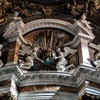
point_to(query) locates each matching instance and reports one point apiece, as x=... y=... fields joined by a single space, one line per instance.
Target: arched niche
x=50 y=34
x=67 y=27
x=75 y=32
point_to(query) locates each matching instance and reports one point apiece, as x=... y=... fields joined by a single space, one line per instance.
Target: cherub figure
x=15 y=20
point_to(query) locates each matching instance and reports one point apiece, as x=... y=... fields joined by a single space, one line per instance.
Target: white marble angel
x=29 y=53
x=62 y=64
x=85 y=23
x=15 y=19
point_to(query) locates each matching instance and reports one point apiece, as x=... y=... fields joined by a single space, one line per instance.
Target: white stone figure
x=26 y=64
x=53 y=53
x=62 y=64
x=34 y=54
x=25 y=59
x=85 y=23
x=1 y=63
x=31 y=55
x=24 y=50
x=27 y=49
x=14 y=20
x=68 y=50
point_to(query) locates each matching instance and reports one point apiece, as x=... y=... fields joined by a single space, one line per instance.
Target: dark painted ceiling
x=62 y=9
x=49 y=2
x=56 y=2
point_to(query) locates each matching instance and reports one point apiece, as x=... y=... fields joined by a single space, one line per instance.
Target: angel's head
x=83 y=17
x=58 y=49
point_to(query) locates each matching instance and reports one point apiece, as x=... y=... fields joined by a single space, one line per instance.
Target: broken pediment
x=13 y=29
x=83 y=29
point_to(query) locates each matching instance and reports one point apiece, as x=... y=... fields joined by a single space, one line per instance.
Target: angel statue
x=85 y=22
x=62 y=64
x=15 y=19
x=1 y=63
x=25 y=59
x=27 y=55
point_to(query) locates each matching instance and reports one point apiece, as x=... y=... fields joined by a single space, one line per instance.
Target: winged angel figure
x=62 y=64
x=27 y=54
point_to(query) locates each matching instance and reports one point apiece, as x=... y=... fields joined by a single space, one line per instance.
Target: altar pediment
x=13 y=29
x=83 y=31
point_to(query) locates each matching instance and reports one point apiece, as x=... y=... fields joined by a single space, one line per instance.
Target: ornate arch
x=77 y=30
x=49 y=23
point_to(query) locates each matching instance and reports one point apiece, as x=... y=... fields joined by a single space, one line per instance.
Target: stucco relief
x=45 y=51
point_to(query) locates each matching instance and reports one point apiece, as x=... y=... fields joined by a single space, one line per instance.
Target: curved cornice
x=50 y=77
x=48 y=23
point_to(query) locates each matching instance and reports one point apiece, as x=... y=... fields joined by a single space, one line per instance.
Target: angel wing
x=71 y=42
x=22 y=39
x=94 y=46
x=68 y=51
x=26 y=47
